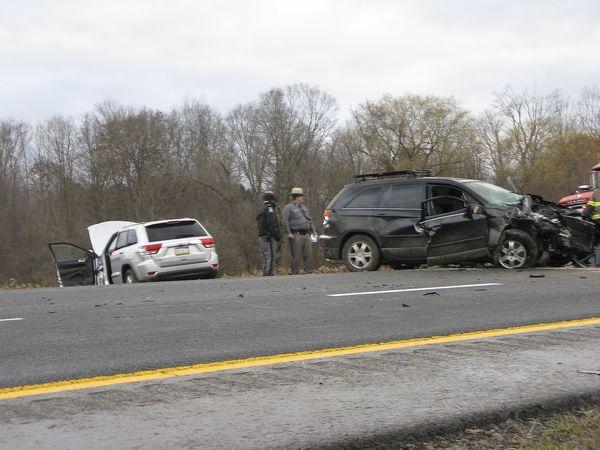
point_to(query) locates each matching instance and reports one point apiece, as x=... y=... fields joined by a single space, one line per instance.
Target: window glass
x=366 y=199
x=447 y=191
x=131 y=237
x=68 y=252
x=174 y=230
x=450 y=199
x=122 y=239
x=404 y=196
x=113 y=244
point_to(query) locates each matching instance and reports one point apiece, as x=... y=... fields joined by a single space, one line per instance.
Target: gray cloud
x=63 y=56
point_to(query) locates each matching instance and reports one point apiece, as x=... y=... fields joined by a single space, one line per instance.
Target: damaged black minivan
x=409 y=218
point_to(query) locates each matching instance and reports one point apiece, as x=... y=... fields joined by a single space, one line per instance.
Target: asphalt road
x=80 y=332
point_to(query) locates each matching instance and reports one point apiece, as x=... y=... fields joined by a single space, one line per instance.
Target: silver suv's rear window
x=174 y=230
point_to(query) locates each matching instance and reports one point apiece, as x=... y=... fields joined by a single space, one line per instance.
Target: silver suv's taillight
x=208 y=242
x=150 y=249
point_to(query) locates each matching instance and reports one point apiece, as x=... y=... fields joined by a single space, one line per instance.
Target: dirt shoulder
x=572 y=426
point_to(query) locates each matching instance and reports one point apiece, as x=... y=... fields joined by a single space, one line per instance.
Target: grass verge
x=571 y=427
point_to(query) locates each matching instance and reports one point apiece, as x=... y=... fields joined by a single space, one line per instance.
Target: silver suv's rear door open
x=75 y=266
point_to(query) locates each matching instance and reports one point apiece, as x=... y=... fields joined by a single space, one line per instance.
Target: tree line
x=119 y=162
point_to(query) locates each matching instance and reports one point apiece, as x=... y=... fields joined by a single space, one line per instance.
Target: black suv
x=409 y=218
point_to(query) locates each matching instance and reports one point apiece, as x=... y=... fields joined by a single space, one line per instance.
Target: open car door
x=75 y=266
x=456 y=231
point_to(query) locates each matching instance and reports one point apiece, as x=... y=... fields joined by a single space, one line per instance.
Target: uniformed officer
x=269 y=233
x=298 y=227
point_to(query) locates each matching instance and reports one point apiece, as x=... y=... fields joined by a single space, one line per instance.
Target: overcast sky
x=63 y=56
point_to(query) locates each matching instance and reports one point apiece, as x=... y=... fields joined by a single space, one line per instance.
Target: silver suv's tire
x=129 y=277
x=361 y=254
x=516 y=250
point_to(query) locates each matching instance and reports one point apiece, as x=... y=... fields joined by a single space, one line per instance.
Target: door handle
x=381 y=214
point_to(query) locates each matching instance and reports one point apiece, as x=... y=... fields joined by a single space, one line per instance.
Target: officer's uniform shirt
x=296 y=217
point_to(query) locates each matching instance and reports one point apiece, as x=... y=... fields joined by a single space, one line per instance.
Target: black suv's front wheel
x=361 y=254
x=516 y=250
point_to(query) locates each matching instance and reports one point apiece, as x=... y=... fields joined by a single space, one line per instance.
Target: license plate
x=180 y=251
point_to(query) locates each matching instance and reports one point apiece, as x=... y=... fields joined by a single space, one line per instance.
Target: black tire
x=516 y=250
x=361 y=254
x=129 y=277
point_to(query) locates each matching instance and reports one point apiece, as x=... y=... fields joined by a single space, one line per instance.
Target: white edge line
x=416 y=289
x=11 y=320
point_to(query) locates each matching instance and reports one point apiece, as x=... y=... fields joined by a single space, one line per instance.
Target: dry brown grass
x=577 y=428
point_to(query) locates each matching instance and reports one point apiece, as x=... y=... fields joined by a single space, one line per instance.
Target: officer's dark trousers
x=301 y=251
x=268 y=253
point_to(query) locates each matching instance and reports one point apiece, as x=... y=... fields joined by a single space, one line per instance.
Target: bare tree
x=410 y=131
x=529 y=119
x=588 y=112
x=248 y=145
x=295 y=121
x=14 y=138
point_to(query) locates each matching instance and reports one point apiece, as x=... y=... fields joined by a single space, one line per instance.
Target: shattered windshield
x=494 y=194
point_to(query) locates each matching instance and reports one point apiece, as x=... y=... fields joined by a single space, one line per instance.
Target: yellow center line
x=259 y=361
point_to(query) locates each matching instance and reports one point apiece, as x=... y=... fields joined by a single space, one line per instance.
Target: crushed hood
x=100 y=233
x=565 y=230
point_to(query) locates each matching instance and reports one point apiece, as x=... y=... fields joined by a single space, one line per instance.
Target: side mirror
x=473 y=209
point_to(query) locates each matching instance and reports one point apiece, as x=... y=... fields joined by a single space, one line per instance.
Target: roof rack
x=410 y=173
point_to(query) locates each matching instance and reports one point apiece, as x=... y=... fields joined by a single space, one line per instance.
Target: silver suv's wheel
x=130 y=277
x=360 y=253
x=516 y=250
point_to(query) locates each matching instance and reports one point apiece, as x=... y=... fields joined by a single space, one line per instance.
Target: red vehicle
x=584 y=192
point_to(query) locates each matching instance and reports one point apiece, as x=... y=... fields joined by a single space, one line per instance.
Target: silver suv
x=127 y=252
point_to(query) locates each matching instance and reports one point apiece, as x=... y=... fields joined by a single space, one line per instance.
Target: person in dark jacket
x=269 y=233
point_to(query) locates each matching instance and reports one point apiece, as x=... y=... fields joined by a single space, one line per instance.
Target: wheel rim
x=360 y=255
x=513 y=254
x=129 y=279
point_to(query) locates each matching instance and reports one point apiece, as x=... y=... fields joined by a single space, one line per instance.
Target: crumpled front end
x=562 y=234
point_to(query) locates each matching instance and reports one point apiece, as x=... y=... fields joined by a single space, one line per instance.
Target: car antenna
x=511 y=184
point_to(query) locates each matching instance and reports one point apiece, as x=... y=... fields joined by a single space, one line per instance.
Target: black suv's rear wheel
x=516 y=250
x=361 y=253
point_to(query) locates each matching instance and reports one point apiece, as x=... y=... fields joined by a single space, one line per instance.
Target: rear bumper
x=207 y=268
x=185 y=274
x=330 y=245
